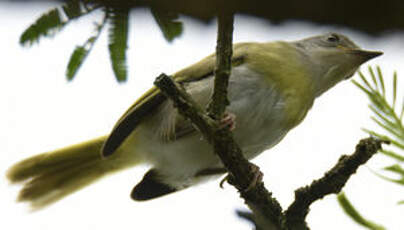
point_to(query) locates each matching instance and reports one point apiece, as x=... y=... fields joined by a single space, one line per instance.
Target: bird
x=272 y=86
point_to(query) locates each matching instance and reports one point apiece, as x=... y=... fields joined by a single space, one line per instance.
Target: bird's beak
x=366 y=54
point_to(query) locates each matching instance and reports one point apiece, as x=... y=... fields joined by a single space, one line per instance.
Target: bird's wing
x=152 y=98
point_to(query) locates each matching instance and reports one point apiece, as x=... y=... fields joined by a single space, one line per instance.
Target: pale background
x=41 y=111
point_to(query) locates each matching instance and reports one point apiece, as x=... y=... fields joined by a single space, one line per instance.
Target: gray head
x=332 y=57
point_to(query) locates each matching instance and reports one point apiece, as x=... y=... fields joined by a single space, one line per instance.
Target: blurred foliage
x=364 y=17
x=389 y=118
x=53 y=21
x=371 y=16
x=115 y=16
x=350 y=210
x=81 y=52
x=386 y=114
x=169 y=24
x=118 y=40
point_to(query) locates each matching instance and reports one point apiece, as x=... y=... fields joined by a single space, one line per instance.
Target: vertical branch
x=267 y=212
x=224 y=52
x=242 y=174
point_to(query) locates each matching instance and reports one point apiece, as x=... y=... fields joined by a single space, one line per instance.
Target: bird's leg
x=228 y=120
x=257 y=178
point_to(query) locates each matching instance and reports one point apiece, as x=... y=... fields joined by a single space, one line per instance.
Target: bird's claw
x=257 y=177
x=228 y=120
x=225 y=179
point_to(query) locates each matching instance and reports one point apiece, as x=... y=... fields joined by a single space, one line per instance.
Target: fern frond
x=385 y=137
x=386 y=115
x=168 y=23
x=118 y=39
x=397 y=169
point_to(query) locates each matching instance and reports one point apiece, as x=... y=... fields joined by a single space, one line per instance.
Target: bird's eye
x=333 y=38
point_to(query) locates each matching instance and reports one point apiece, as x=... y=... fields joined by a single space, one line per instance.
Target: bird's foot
x=257 y=177
x=228 y=120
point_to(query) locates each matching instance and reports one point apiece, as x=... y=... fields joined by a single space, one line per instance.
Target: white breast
x=259 y=112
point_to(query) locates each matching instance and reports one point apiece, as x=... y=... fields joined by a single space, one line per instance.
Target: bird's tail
x=50 y=176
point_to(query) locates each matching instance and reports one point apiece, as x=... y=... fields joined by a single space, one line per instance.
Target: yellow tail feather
x=50 y=176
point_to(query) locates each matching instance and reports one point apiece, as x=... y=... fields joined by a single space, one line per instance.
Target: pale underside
x=174 y=147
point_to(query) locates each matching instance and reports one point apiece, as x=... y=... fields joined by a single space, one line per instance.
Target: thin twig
x=224 y=52
x=332 y=182
x=267 y=212
x=241 y=171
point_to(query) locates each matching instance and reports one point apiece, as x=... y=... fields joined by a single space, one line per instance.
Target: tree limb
x=332 y=182
x=224 y=52
x=241 y=171
x=242 y=174
x=267 y=212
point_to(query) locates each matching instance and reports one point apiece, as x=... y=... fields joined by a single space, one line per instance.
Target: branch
x=242 y=174
x=224 y=52
x=267 y=212
x=332 y=182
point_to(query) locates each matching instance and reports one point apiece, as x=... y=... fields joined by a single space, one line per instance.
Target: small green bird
x=272 y=87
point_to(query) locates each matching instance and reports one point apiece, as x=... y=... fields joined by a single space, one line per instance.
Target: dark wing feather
x=151 y=99
x=129 y=122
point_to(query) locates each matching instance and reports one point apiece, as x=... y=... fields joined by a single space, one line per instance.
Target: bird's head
x=331 y=58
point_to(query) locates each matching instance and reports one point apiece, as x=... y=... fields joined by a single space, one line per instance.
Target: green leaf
x=384 y=137
x=398 y=170
x=394 y=89
x=364 y=80
x=400 y=202
x=76 y=60
x=388 y=119
x=367 y=91
x=350 y=210
x=52 y=22
x=72 y=9
x=393 y=155
x=384 y=117
x=388 y=128
x=395 y=168
x=46 y=25
x=380 y=77
x=81 y=52
x=402 y=111
x=118 y=38
x=372 y=74
x=169 y=26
